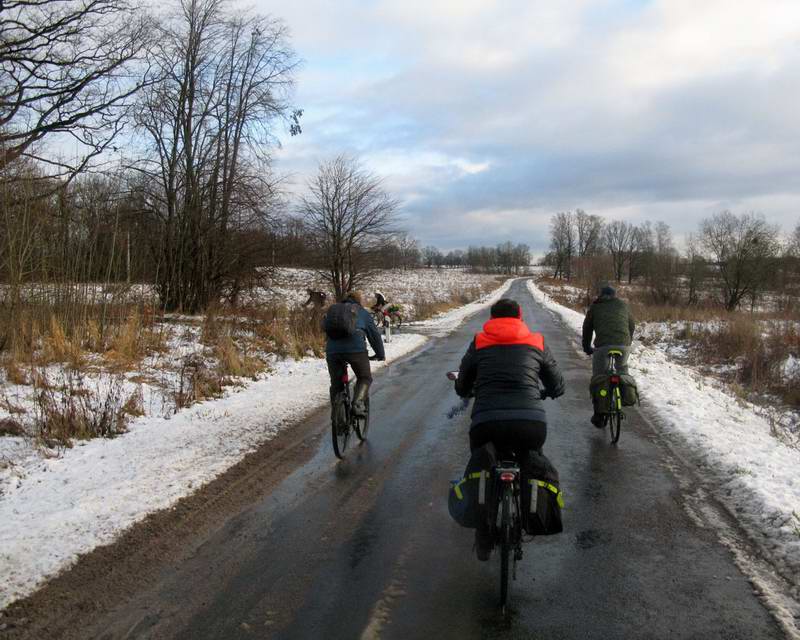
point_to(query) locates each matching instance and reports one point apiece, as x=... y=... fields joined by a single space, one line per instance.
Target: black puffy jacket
x=508 y=367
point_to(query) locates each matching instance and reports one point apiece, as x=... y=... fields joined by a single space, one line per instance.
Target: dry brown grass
x=14 y=373
x=234 y=362
x=58 y=347
x=10 y=427
x=293 y=333
x=196 y=383
x=425 y=308
x=67 y=411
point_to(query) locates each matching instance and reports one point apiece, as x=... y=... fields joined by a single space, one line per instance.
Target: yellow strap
x=614 y=352
x=552 y=488
x=472 y=476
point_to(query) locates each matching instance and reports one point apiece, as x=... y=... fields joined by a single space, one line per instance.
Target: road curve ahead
x=364 y=548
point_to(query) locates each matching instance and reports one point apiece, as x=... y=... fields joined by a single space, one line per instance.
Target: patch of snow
x=55 y=508
x=755 y=474
x=791 y=368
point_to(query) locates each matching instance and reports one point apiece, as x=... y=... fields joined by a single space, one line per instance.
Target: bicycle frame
x=508 y=532
x=614 y=419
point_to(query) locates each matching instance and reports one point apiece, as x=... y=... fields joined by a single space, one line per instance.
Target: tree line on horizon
x=740 y=258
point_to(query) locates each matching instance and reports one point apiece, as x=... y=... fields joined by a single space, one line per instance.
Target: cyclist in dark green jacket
x=612 y=324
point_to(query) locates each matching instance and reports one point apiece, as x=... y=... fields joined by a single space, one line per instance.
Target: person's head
x=352 y=296
x=506 y=308
x=607 y=290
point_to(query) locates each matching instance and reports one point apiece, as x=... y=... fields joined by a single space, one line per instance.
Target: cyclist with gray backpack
x=348 y=327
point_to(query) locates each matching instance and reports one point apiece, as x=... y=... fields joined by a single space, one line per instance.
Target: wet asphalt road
x=365 y=548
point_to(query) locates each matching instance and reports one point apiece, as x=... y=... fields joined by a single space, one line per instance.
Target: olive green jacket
x=610 y=320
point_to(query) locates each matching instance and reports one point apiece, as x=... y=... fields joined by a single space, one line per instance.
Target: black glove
x=374 y=358
x=588 y=351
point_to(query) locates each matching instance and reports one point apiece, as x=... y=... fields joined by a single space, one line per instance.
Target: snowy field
x=57 y=505
x=754 y=473
x=403 y=287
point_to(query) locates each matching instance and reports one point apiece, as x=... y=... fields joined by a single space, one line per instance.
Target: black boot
x=360 y=399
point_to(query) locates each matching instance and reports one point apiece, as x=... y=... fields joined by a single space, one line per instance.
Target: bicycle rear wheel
x=340 y=427
x=614 y=424
x=505 y=546
x=362 y=424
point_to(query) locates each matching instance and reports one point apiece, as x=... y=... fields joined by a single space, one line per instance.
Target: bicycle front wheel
x=340 y=427
x=614 y=424
x=362 y=424
x=505 y=546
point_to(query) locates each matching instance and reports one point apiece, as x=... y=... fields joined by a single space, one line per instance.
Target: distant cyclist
x=509 y=370
x=346 y=344
x=612 y=324
x=381 y=304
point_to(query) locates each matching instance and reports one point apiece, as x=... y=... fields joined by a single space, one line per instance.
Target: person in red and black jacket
x=509 y=370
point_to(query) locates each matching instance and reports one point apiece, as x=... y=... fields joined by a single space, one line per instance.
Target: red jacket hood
x=498 y=331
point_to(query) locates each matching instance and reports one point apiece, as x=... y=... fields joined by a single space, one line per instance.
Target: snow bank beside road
x=756 y=474
x=53 y=509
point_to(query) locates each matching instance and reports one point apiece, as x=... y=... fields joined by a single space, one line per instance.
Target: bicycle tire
x=362 y=424
x=615 y=423
x=505 y=546
x=340 y=427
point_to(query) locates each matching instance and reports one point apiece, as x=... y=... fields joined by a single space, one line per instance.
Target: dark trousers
x=337 y=364
x=519 y=436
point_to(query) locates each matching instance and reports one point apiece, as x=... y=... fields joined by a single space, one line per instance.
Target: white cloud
x=502 y=107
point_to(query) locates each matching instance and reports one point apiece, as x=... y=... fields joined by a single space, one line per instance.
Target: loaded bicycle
x=613 y=415
x=387 y=317
x=505 y=515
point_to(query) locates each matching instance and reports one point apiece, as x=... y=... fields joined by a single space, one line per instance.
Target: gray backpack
x=341 y=321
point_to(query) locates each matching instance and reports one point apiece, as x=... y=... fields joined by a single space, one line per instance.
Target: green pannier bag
x=471 y=496
x=541 y=501
x=600 y=388
x=628 y=390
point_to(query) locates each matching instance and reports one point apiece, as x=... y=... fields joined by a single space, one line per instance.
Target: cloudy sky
x=486 y=116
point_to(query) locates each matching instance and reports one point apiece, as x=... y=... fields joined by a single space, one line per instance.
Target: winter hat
x=608 y=290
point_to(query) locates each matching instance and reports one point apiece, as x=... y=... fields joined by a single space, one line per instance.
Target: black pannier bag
x=470 y=497
x=542 y=500
x=340 y=321
x=600 y=388
x=628 y=390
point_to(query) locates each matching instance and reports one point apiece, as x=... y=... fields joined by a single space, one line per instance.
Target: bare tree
x=618 y=239
x=741 y=248
x=349 y=215
x=662 y=275
x=562 y=244
x=66 y=73
x=225 y=80
x=589 y=230
x=641 y=249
